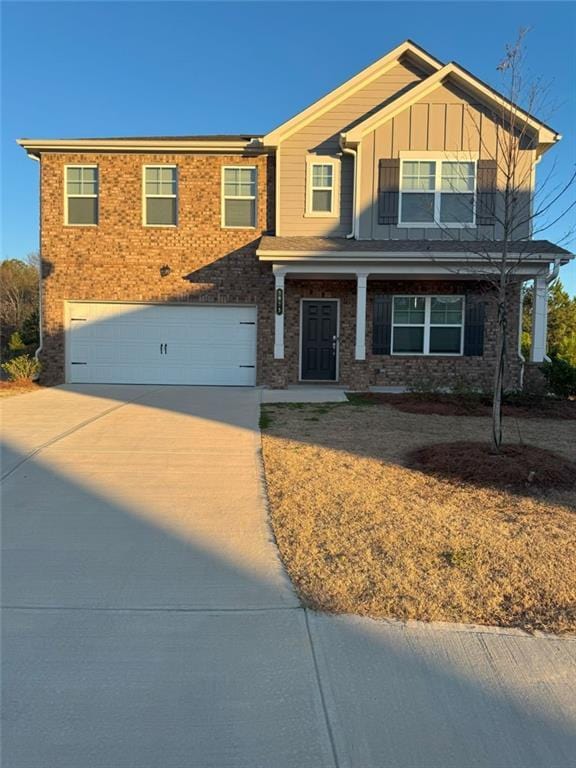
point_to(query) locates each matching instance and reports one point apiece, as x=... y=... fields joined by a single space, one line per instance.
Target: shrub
x=22 y=368
x=424 y=386
x=560 y=377
x=31 y=330
x=15 y=343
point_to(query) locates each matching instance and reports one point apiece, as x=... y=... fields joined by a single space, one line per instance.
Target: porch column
x=539 y=320
x=361 y=280
x=279 y=315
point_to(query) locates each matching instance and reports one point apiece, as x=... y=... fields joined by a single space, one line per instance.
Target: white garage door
x=161 y=344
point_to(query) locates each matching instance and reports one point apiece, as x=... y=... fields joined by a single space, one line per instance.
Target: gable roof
x=407 y=50
x=467 y=82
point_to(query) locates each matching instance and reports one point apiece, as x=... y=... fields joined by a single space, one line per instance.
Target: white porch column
x=279 y=315
x=539 y=320
x=361 y=281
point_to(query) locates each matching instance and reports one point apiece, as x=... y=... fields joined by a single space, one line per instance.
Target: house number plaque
x=279 y=301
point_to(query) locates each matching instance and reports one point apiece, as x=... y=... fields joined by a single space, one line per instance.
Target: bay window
x=437 y=192
x=427 y=325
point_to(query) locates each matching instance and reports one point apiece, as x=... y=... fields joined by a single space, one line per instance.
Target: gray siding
x=322 y=137
x=445 y=120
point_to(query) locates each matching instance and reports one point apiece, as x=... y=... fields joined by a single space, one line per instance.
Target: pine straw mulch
x=11 y=388
x=362 y=530
x=469 y=405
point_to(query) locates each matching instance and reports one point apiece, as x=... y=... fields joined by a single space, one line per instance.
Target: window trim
x=145 y=196
x=427 y=325
x=67 y=223
x=438 y=159
x=311 y=161
x=223 y=197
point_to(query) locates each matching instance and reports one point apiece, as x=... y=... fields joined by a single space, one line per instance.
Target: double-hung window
x=321 y=187
x=427 y=325
x=239 y=196
x=160 y=195
x=81 y=189
x=437 y=192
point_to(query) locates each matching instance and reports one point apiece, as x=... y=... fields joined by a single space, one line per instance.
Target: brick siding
x=120 y=260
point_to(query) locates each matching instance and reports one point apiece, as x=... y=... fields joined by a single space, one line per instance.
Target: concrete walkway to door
x=148 y=622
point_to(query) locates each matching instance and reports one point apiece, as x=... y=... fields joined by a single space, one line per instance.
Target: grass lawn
x=11 y=388
x=361 y=529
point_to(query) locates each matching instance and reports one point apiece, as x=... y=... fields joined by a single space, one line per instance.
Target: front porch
x=353 y=339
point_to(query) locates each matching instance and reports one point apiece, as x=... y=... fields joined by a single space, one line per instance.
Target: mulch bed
x=459 y=405
x=516 y=467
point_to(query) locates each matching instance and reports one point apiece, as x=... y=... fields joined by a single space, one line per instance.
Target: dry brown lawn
x=361 y=532
x=11 y=388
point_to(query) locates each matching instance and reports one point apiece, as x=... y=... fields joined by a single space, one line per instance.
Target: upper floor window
x=437 y=192
x=427 y=325
x=81 y=196
x=160 y=195
x=321 y=187
x=239 y=196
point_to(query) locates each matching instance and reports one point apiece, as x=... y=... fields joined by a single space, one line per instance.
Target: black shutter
x=388 y=191
x=381 y=325
x=474 y=326
x=486 y=192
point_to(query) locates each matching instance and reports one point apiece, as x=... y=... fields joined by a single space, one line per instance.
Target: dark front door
x=319 y=341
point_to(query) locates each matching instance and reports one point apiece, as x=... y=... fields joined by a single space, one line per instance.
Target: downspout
x=40 y=323
x=349 y=151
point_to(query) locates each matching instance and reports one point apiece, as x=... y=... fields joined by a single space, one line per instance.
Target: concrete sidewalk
x=149 y=623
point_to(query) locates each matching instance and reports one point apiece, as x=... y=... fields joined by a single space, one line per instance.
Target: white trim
x=223 y=198
x=361 y=291
x=546 y=136
x=160 y=197
x=91 y=197
x=279 y=320
x=252 y=146
x=334 y=212
x=539 y=321
x=437 y=192
x=347 y=89
x=337 y=370
x=277 y=216
x=427 y=325
x=408 y=255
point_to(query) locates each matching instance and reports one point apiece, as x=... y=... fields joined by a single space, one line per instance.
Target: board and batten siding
x=444 y=121
x=321 y=137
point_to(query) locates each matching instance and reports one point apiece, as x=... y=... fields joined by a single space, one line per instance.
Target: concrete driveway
x=148 y=622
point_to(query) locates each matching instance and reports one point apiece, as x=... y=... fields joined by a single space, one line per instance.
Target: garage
x=113 y=343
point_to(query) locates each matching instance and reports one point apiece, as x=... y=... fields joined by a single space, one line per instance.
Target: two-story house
x=355 y=243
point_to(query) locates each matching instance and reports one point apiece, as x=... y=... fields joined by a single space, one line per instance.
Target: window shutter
x=486 y=192
x=388 y=191
x=381 y=325
x=474 y=327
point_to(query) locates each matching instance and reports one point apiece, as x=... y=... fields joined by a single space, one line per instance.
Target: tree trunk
x=500 y=368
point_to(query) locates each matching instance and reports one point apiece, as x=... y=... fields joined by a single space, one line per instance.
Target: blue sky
x=122 y=68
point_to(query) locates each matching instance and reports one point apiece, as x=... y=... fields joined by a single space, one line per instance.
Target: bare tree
x=519 y=213
x=18 y=291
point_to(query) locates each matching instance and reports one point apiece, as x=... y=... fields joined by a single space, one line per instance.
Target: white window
x=81 y=194
x=437 y=192
x=427 y=325
x=160 y=195
x=239 y=197
x=321 y=187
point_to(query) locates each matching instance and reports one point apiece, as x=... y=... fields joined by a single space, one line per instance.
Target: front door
x=319 y=340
